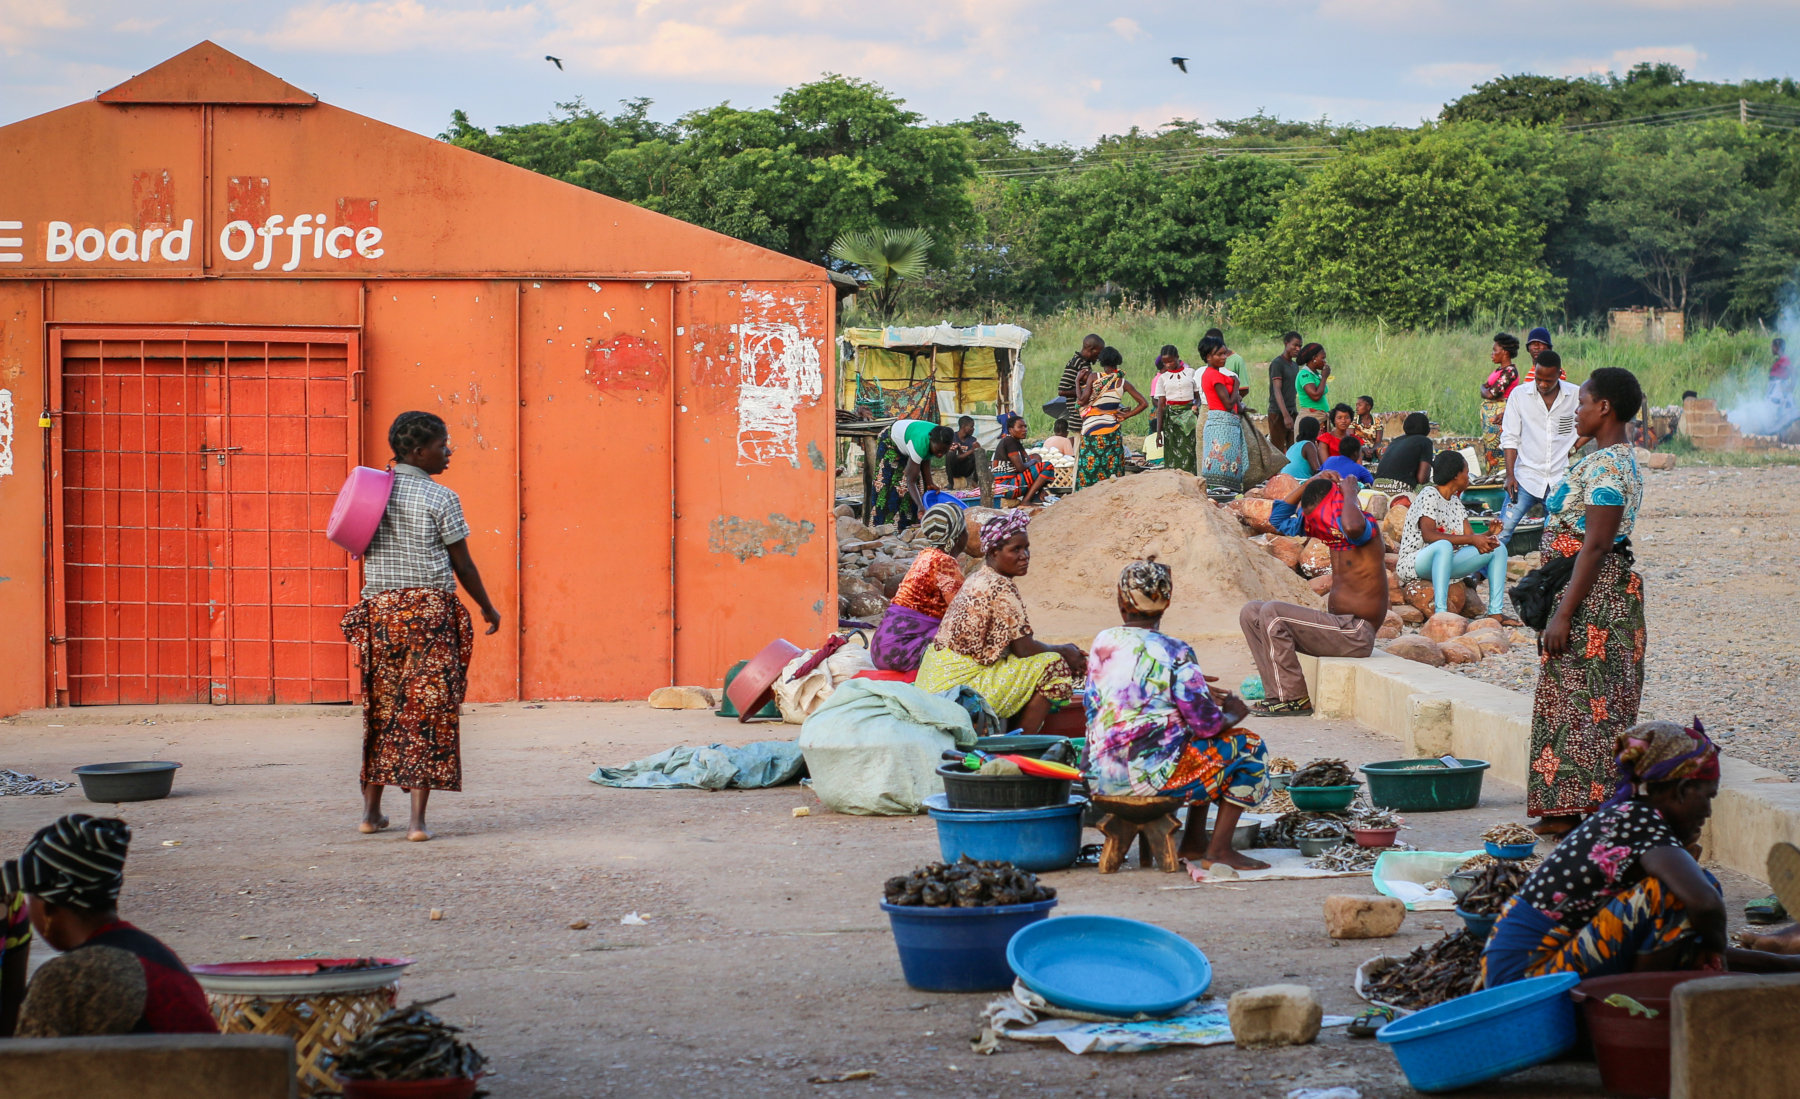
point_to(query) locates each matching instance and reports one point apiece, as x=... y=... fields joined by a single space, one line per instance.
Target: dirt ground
x=765 y=961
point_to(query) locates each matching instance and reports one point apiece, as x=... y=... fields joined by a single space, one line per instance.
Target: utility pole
x=1743 y=112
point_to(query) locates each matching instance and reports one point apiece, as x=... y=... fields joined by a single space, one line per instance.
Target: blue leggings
x=1438 y=562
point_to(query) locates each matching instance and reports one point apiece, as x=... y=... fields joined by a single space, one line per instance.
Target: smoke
x=1757 y=404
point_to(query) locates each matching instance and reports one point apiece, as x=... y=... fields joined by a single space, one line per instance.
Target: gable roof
x=208 y=73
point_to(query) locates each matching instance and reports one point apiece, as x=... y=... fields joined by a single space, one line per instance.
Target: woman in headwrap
x=986 y=639
x=1102 y=394
x=903 y=470
x=1591 y=674
x=15 y=957
x=1622 y=893
x=1016 y=473
x=1223 y=458
x=1155 y=728
x=915 y=614
x=1494 y=391
x=110 y=978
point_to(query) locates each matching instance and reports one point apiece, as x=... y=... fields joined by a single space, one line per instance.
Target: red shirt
x=173 y=1000
x=1780 y=368
x=1215 y=377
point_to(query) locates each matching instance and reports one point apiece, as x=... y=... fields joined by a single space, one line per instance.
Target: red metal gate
x=193 y=471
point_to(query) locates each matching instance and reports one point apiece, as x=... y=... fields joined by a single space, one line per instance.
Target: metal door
x=193 y=471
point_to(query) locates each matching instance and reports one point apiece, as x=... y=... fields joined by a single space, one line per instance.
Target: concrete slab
x=150 y=1066
x=1732 y=1036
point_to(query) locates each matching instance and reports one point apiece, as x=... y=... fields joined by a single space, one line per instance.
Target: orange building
x=215 y=294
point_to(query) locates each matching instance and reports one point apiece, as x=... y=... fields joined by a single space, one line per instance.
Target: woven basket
x=321 y=1025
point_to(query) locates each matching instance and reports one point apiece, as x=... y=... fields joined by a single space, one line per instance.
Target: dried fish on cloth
x=19 y=784
x=966 y=884
x=1286 y=829
x=1430 y=975
x=1353 y=858
x=410 y=1043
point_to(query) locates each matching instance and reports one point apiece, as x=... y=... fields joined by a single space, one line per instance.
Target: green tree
x=1530 y=100
x=1416 y=231
x=888 y=257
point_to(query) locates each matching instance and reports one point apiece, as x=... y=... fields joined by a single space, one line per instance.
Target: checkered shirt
x=408 y=551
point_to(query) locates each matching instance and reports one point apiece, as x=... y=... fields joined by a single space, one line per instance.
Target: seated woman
x=1344 y=463
x=1406 y=463
x=1366 y=427
x=903 y=470
x=111 y=978
x=1155 y=727
x=1436 y=545
x=1620 y=893
x=913 y=618
x=1307 y=456
x=1340 y=427
x=1016 y=473
x=986 y=639
x=15 y=957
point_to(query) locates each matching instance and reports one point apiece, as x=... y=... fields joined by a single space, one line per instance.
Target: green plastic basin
x=1424 y=785
x=1323 y=799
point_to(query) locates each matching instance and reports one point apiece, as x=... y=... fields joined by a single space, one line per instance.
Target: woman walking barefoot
x=412 y=634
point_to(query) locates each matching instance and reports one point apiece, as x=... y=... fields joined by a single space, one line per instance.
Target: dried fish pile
x=353 y=965
x=1318 y=829
x=1493 y=889
x=1431 y=974
x=18 y=783
x=966 y=884
x=410 y=1043
x=1284 y=832
x=1324 y=772
x=1483 y=861
x=1371 y=817
x=1281 y=765
x=1277 y=802
x=1509 y=833
x=1352 y=858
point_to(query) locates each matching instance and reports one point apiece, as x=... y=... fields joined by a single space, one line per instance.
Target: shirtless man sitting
x=1276 y=632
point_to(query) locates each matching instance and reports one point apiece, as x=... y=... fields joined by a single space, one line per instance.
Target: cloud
x=1453 y=74
x=391 y=26
x=1127 y=29
x=1383 y=12
x=1620 y=60
x=22 y=21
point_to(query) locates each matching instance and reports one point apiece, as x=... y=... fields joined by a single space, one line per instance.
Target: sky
x=1068 y=70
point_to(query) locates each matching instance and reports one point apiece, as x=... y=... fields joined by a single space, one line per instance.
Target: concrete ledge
x=150 y=1066
x=1433 y=712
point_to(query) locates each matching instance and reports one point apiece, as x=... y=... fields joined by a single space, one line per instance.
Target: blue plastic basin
x=935 y=497
x=1030 y=839
x=959 y=949
x=1510 y=850
x=1109 y=965
x=1485 y=1035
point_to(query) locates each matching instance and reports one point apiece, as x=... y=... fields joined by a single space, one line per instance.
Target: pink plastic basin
x=359 y=508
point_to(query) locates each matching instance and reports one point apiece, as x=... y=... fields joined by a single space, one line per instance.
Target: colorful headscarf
x=942 y=525
x=1147 y=586
x=1662 y=751
x=997 y=530
x=77 y=862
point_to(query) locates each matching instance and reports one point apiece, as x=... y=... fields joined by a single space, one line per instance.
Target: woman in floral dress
x=1156 y=728
x=1592 y=650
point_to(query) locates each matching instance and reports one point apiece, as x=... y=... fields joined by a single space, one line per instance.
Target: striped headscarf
x=77 y=862
x=1662 y=751
x=942 y=525
x=997 y=530
x=1147 y=586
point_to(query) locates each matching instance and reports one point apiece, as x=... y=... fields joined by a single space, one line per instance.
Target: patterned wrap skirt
x=900 y=639
x=1222 y=456
x=1180 y=448
x=892 y=504
x=1007 y=684
x=1588 y=695
x=1100 y=457
x=1012 y=482
x=1645 y=918
x=1492 y=456
x=1230 y=767
x=414 y=645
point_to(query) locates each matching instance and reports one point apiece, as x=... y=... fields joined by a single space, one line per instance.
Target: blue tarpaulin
x=714 y=767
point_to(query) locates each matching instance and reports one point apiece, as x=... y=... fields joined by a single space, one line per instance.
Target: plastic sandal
x=1297 y=707
x=1765 y=910
x=1369 y=1021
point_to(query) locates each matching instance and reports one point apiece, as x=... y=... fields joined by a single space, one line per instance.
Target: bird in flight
x=558 y=62
x=1178 y=62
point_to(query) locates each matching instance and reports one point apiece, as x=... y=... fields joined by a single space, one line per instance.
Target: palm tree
x=888 y=257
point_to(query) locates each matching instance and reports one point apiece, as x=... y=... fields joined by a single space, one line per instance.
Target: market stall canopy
x=933 y=372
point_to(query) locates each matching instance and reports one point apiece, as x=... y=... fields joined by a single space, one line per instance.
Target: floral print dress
x=1590 y=694
x=1153 y=728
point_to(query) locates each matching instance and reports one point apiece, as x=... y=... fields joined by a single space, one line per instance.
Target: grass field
x=1440 y=371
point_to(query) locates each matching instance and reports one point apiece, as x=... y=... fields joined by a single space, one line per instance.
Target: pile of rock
x=873 y=560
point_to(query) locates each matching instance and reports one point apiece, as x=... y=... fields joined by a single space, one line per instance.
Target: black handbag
x=1537 y=592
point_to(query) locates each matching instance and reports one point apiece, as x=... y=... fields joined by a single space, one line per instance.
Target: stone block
x=1391 y=628
x=1276 y=487
x=1274 y=1015
x=1394 y=523
x=150 y=1066
x=1490 y=642
x=1415 y=647
x=1410 y=614
x=1732 y=1035
x=1348 y=917
x=1699 y=404
x=1459 y=650
x=1254 y=511
x=1286 y=550
x=1321 y=584
x=1315 y=557
x=1443 y=627
x=681 y=698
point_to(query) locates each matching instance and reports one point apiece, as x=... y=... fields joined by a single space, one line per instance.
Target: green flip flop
x=1370 y=1020
x=1784 y=874
x=1765 y=910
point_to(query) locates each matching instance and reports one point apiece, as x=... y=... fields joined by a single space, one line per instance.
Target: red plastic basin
x=754 y=687
x=1633 y=1051
x=453 y=1087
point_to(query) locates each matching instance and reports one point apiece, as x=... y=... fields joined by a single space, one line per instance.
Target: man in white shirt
x=1538 y=433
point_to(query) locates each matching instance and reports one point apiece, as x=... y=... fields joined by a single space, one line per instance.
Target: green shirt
x=1306 y=377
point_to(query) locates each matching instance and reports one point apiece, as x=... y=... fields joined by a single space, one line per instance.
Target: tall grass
x=1439 y=371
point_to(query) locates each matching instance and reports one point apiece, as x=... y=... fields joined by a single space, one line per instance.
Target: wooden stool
x=1148 y=820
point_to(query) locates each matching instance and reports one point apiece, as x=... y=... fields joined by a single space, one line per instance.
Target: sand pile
x=1079 y=544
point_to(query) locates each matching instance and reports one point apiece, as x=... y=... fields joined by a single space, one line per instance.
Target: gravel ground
x=1716 y=550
